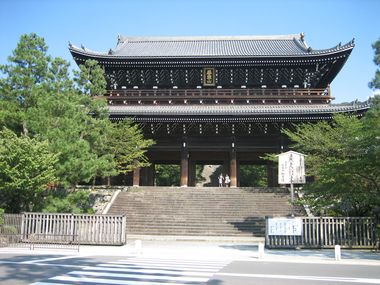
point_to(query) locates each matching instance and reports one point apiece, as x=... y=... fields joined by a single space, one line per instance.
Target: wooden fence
x=80 y=228
x=326 y=232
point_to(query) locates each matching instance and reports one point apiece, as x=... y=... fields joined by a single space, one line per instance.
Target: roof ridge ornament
x=302 y=36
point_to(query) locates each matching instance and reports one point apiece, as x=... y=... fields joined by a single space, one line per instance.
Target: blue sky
x=96 y=24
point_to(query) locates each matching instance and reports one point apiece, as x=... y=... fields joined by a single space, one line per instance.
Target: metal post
x=338 y=255
x=261 y=250
x=292 y=197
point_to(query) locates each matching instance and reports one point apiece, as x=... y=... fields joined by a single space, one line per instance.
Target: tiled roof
x=232 y=110
x=211 y=46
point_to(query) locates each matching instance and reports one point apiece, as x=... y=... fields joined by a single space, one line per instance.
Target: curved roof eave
x=234 y=110
x=313 y=54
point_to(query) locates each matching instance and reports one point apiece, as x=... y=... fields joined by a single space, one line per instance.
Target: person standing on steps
x=220 y=179
x=227 y=181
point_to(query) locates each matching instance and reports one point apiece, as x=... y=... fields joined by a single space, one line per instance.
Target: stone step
x=200 y=211
x=193 y=231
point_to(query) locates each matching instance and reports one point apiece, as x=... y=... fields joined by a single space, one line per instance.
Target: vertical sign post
x=291 y=169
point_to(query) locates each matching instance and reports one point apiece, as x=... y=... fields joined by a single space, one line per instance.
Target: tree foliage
x=344 y=159
x=253 y=175
x=375 y=83
x=47 y=104
x=63 y=201
x=39 y=100
x=26 y=168
x=167 y=175
x=128 y=145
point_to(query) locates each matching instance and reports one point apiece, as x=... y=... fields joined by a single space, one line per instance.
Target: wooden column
x=143 y=176
x=272 y=175
x=233 y=168
x=136 y=177
x=150 y=172
x=184 y=166
x=226 y=168
x=192 y=173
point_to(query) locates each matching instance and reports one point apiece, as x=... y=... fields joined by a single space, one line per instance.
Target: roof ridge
x=207 y=38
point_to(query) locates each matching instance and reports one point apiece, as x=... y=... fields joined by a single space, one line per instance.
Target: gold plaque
x=208 y=76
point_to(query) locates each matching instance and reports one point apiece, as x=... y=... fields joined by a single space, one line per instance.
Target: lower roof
x=232 y=110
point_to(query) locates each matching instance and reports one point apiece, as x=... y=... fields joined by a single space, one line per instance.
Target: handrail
x=217 y=93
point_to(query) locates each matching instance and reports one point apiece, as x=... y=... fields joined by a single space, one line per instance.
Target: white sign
x=284 y=227
x=291 y=168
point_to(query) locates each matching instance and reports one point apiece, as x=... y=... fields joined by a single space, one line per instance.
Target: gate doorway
x=207 y=175
x=167 y=175
x=253 y=175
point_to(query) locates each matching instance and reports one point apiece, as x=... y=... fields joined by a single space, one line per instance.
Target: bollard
x=261 y=250
x=138 y=246
x=338 y=255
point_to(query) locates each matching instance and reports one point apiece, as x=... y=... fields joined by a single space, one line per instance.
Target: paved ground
x=190 y=262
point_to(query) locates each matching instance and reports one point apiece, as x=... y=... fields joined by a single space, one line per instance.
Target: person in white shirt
x=220 y=179
x=227 y=181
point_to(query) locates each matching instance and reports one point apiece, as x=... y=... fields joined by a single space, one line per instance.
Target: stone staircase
x=201 y=211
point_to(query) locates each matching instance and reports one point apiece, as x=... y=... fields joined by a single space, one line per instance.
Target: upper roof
x=292 y=45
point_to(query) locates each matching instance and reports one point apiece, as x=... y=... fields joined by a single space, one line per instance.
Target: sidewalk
x=212 y=250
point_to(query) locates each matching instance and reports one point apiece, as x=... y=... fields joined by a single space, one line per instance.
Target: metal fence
x=62 y=230
x=326 y=232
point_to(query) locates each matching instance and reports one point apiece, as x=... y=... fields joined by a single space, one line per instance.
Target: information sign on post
x=284 y=227
x=291 y=169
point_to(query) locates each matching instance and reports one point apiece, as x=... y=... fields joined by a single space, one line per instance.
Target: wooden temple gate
x=188 y=158
x=223 y=98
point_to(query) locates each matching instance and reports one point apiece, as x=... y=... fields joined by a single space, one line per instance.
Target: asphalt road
x=43 y=269
x=266 y=273
x=18 y=269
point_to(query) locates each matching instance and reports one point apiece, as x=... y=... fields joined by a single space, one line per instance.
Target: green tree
x=64 y=201
x=375 y=83
x=167 y=175
x=343 y=157
x=43 y=102
x=26 y=168
x=39 y=99
x=253 y=175
x=128 y=145
x=90 y=79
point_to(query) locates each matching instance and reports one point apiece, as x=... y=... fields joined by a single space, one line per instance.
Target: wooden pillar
x=143 y=176
x=233 y=168
x=272 y=175
x=184 y=166
x=136 y=177
x=226 y=168
x=150 y=175
x=192 y=173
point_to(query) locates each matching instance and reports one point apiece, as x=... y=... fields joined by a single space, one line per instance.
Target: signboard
x=284 y=227
x=209 y=76
x=291 y=168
